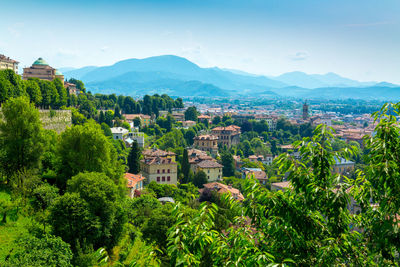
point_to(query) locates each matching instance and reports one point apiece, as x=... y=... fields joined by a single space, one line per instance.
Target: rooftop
x=40 y=61
x=209 y=164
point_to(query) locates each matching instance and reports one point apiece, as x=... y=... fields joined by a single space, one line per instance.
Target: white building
x=118 y=132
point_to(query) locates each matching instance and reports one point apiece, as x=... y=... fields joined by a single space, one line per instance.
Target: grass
x=14 y=228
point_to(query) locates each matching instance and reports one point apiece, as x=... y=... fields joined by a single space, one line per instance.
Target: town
x=99 y=172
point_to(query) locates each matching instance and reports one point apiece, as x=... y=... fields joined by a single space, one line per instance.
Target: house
x=228 y=136
x=256 y=158
x=118 y=133
x=71 y=87
x=211 y=168
x=207 y=143
x=268 y=159
x=187 y=124
x=220 y=189
x=343 y=166
x=204 y=118
x=281 y=186
x=159 y=166
x=135 y=136
x=258 y=174
x=196 y=156
x=145 y=120
x=134 y=183
x=238 y=162
x=178 y=116
x=8 y=63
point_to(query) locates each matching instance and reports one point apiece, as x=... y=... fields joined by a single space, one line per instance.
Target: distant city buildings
x=7 y=63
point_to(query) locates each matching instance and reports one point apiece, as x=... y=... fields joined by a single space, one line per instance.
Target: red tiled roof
x=133 y=179
x=223 y=188
x=157 y=153
x=209 y=164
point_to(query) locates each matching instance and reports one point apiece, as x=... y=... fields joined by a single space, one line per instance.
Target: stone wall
x=56 y=120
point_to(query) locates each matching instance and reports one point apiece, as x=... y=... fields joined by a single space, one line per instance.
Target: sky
x=358 y=39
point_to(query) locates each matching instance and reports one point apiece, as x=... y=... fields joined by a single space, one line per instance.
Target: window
x=158 y=178
x=158 y=171
x=163 y=171
x=163 y=178
x=168 y=170
x=168 y=178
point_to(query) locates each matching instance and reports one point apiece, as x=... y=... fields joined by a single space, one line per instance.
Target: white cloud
x=104 y=49
x=301 y=55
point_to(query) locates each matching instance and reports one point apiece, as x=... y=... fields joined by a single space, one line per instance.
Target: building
x=145 y=120
x=118 y=133
x=228 y=136
x=71 y=87
x=207 y=143
x=135 y=136
x=7 y=63
x=305 y=111
x=40 y=69
x=159 y=166
x=196 y=156
x=280 y=186
x=178 y=116
x=268 y=159
x=258 y=174
x=343 y=166
x=204 y=118
x=220 y=189
x=187 y=124
x=134 y=182
x=211 y=168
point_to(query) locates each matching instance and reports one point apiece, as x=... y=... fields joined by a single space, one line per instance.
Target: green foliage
x=134 y=158
x=41 y=251
x=191 y=114
x=90 y=213
x=20 y=136
x=200 y=178
x=185 y=167
x=85 y=148
x=171 y=140
x=228 y=163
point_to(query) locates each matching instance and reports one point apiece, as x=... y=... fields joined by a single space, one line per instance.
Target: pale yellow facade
x=160 y=173
x=213 y=174
x=7 y=63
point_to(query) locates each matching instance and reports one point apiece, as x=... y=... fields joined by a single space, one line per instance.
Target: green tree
x=21 y=136
x=85 y=148
x=134 y=158
x=33 y=90
x=62 y=92
x=228 y=163
x=200 y=178
x=191 y=114
x=48 y=250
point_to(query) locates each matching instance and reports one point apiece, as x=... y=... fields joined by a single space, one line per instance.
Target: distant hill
x=180 y=77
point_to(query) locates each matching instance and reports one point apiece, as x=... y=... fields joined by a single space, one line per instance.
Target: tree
x=228 y=163
x=216 y=120
x=62 y=93
x=185 y=166
x=42 y=198
x=85 y=148
x=20 y=136
x=47 y=250
x=191 y=114
x=200 y=178
x=117 y=112
x=90 y=213
x=134 y=158
x=189 y=135
x=33 y=90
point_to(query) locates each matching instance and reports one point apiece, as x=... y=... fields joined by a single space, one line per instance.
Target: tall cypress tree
x=134 y=159
x=185 y=166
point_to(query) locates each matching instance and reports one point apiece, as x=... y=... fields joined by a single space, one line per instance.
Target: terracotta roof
x=282 y=184
x=206 y=137
x=133 y=179
x=232 y=128
x=223 y=188
x=203 y=117
x=133 y=116
x=7 y=59
x=157 y=160
x=259 y=175
x=155 y=152
x=209 y=164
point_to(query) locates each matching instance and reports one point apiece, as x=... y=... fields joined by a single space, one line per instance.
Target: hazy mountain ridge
x=181 y=77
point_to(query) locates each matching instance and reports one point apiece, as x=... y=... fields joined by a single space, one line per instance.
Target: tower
x=305 y=111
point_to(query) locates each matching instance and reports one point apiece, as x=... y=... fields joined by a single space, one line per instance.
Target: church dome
x=40 y=61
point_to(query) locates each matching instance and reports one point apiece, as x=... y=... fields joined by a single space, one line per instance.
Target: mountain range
x=178 y=76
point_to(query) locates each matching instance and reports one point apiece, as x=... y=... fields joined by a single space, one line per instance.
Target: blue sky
x=359 y=39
